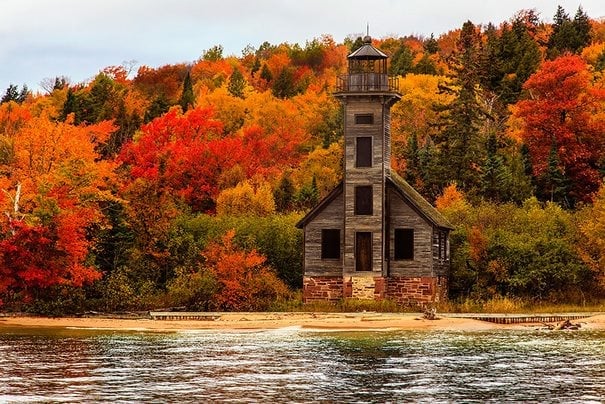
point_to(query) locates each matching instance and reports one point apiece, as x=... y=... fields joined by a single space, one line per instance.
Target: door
x=363 y=251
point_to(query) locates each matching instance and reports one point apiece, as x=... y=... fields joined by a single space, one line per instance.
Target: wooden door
x=363 y=251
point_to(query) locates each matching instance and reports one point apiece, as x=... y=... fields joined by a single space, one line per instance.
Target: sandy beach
x=259 y=321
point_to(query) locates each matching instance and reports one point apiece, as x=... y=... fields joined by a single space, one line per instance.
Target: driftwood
x=562 y=325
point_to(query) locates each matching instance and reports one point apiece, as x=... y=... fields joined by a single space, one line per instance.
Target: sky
x=77 y=38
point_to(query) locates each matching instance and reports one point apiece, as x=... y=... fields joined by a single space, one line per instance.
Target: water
x=292 y=365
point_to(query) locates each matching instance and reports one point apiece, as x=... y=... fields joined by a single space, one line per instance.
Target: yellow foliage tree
x=246 y=199
x=591 y=232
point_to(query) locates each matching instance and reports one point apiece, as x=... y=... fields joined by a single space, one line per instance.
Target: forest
x=180 y=185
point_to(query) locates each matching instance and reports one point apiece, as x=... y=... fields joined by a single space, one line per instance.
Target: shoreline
x=270 y=321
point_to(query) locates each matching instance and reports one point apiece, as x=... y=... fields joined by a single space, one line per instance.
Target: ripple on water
x=299 y=366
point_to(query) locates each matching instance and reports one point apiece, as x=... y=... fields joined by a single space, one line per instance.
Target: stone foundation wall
x=322 y=288
x=364 y=287
x=403 y=290
x=416 y=291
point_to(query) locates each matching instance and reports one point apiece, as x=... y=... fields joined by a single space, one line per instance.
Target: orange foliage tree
x=52 y=185
x=245 y=282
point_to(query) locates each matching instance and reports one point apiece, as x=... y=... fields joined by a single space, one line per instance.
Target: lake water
x=293 y=365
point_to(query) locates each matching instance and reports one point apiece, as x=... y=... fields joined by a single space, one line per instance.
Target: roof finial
x=367 y=39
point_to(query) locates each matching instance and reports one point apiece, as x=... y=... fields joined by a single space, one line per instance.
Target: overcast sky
x=77 y=38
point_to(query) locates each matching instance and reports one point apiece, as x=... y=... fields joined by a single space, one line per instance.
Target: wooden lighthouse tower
x=373 y=236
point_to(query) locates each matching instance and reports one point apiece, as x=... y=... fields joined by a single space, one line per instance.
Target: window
x=330 y=244
x=364 y=119
x=363 y=200
x=404 y=244
x=363 y=155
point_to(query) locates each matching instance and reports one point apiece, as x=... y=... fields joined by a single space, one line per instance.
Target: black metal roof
x=367 y=51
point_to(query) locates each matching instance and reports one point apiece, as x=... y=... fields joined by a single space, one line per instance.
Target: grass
x=503 y=305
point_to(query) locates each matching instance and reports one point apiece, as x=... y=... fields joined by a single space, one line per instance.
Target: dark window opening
x=363 y=155
x=363 y=200
x=404 y=244
x=363 y=251
x=364 y=119
x=330 y=244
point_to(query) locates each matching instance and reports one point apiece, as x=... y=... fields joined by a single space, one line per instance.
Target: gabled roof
x=418 y=203
x=320 y=206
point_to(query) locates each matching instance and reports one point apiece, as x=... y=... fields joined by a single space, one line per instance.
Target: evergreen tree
x=265 y=73
x=284 y=85
x=308 y=196
x=213 y=54
x=402 y=61
x=412 y=161
x=187 y=99
x=284 y=194
x=13 y=94
x=568 y=35
x=431 y=46
x=553 y=185
x=496 y=177
x=581 y=24
x=458 y=144
x=237 y=83
x=425 y=66
x=158 y=107
x=255 y=67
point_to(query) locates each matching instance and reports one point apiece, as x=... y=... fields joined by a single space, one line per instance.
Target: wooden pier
x=522 y=318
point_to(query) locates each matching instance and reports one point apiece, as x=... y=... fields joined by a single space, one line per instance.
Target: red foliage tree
x=38 y=256
x=186 y=154
x=564 y=112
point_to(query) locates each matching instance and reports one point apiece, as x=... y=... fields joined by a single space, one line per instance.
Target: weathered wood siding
x=373 y=176
x=329 y=218
x=403 y=216
x=441 y=262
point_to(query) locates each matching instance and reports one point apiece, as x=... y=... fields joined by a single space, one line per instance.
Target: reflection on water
x=292 y=365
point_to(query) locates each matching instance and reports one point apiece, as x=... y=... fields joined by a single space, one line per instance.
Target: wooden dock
x=522 y=318
x=182 y=315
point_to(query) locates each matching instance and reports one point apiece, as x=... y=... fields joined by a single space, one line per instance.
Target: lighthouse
x=373 y=236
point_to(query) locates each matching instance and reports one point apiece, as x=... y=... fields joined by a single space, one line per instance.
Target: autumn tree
x=563 y=123
x=55 y=185
x=244 y=281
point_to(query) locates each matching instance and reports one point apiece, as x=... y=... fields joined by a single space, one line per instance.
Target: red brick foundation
x=416 y=291
x=405 y=291
x=322 y=288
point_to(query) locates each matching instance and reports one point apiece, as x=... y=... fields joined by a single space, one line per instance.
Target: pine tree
x=553 y=185
x=431 y=46
x=237 y=83
x=284 y=194
x=187 y=99
x=458 y=144
x=265 y=73
x=402 y=61
x=11 y=94
x=496 y=177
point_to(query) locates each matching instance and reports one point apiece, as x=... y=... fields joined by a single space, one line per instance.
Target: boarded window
x=363 y=251
x=363 y=200
x=363 y=155
x=404 y=244
x=330 y=244
x=364 y=119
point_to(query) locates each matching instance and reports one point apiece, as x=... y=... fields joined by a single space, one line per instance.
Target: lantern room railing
x=367 y=82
